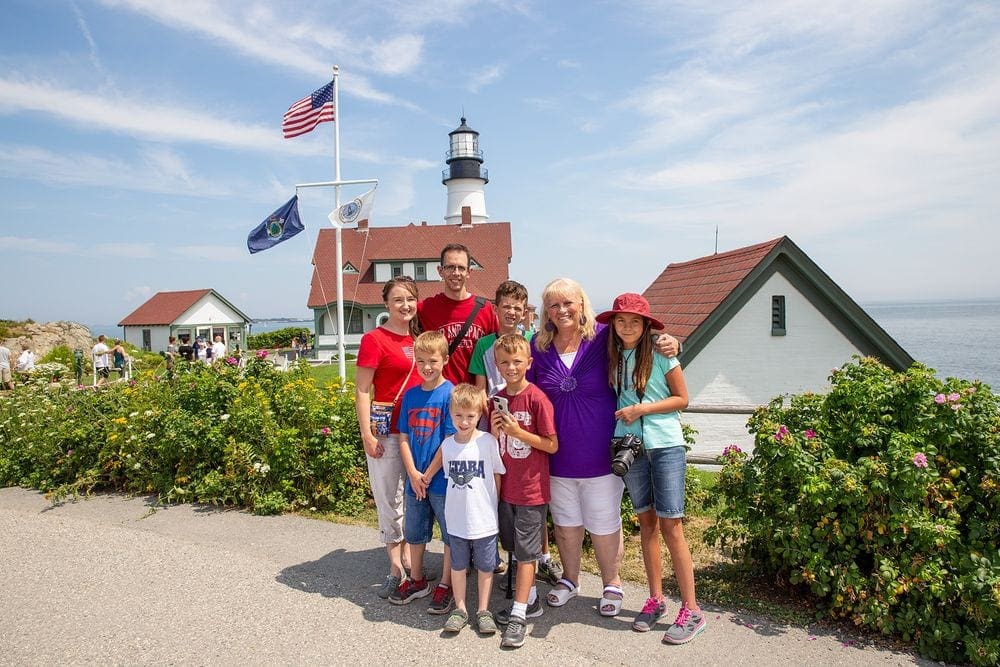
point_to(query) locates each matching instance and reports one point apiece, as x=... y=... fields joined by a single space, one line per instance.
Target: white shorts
x=592 y=502
x=386 y=474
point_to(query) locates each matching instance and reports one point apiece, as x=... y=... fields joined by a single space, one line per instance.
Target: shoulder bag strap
x=477 y=306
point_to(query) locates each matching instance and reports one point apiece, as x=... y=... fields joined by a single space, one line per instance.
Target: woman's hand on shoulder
x=667 y=345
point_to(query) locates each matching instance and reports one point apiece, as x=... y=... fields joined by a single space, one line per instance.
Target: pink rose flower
x=810 y=434
x=940 y=398
x=920 y=460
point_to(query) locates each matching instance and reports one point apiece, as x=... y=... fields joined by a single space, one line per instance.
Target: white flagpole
x=341 y=354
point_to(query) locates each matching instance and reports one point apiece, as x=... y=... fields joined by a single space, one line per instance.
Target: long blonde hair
x=565 y=288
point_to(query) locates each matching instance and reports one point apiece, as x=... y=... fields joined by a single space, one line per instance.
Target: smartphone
x=500 y=405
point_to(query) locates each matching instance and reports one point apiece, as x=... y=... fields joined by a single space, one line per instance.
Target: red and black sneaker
x=443 y=600
x=410 y=590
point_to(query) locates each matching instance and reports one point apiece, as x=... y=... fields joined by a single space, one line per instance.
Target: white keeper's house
x=373 y=255
x=756 y=323
x=185 y=315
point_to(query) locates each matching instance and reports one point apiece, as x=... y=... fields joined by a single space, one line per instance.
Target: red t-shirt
x=391 y=355
x=439 y=313
x=527 y=479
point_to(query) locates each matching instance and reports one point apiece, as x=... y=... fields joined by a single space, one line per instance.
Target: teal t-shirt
x=658 y=430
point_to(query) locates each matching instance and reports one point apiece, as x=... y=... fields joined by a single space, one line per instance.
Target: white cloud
x=484 y=77
x=41 y=246
x=146 y=119
x=159 y=171
x=127 y=250
x=306 y=43
x=139 y=293
x=215 y=253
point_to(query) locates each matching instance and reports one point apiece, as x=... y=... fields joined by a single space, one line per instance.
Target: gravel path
x=114 y=580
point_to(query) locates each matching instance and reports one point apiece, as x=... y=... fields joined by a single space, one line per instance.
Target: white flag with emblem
x=354 y=211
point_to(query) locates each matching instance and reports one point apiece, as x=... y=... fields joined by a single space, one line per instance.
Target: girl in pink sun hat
x=649 y=453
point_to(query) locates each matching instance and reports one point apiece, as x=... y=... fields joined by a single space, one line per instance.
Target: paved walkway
x=111 y=580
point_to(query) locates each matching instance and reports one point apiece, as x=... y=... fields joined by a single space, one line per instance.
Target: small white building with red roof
x=756 y=323
x=186 y=315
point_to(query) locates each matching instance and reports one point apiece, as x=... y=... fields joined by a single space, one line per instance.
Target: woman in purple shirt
x=570 y=364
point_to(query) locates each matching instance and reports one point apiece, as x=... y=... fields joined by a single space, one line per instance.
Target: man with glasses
x=457 y=313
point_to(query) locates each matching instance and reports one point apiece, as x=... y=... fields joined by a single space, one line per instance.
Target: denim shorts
x=420 y=515
x=656 y=480
x=481 y=552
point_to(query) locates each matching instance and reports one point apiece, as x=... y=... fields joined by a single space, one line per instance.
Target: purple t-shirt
x=584 y=406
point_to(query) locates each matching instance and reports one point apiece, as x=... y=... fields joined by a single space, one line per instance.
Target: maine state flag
x=280 y=226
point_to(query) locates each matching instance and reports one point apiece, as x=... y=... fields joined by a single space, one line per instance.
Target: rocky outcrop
x=43 y=337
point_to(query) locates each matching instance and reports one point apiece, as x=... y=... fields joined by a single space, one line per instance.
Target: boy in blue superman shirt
x=424 y=423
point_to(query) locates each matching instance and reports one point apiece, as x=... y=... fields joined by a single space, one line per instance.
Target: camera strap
x=623 y=378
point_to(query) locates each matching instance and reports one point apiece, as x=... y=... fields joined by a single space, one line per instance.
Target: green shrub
x=276 y=339
x=883 y=499
x=60 y=354
x=252 y=437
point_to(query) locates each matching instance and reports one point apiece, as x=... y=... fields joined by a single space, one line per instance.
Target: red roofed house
x=373 y=255
x=756 y=323
x=185 y=315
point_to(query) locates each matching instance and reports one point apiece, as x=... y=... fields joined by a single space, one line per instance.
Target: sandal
x=557 y=597
x=611 y=601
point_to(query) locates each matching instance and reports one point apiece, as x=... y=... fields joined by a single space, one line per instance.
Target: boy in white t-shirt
x=472 y=467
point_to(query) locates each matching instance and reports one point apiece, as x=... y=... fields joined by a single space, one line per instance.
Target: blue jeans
x=656 y=480
x=420 y=515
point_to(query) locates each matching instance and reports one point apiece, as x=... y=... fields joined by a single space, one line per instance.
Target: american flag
x=307 y=113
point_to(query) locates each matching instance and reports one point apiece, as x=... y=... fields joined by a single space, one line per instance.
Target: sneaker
x=549 y=571
x=390 y=584
x=487 y=626
x=687 y=625
x=410 y=590
x=513 y=635
x=652 y=611
x=500 y=568
x=442 y=601
x=534 y=611
x=456 y=621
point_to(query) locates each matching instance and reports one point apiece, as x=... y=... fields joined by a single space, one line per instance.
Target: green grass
x=326 y=374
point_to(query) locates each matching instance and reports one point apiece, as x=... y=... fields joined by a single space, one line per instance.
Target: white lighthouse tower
x=465 y=176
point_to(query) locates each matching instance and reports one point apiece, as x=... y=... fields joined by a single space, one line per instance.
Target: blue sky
x=140 y=140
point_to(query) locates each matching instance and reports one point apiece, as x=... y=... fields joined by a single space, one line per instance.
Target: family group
x=469 y=424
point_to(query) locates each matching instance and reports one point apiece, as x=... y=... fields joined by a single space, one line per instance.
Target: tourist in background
x=6 y=380
x=219 y=351
x=99 y=354
x=118 y=358
x=386 y=365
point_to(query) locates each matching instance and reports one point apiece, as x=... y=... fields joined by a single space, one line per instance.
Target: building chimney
x=363 y=225
x=466 y=216
x=423 y=223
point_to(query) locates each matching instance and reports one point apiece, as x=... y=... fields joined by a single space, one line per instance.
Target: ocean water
x=956 y=338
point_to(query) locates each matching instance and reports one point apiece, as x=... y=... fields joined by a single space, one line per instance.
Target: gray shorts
x=521 y=529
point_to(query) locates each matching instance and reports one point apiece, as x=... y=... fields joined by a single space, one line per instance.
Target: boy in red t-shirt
x=527 y=435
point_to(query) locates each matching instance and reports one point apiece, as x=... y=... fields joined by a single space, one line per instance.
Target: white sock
x=519 y=609
x=545 y=558
x=532 y=596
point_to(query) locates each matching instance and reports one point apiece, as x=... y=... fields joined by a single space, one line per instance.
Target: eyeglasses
x=454 y=268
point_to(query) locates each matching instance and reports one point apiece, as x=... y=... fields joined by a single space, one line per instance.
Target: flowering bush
x=252 y=437
x=883 y=498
